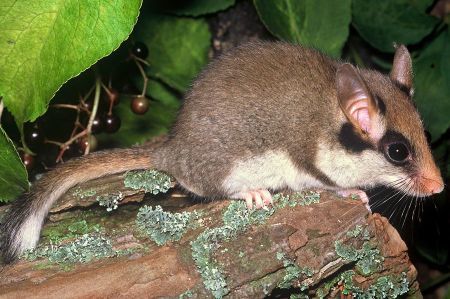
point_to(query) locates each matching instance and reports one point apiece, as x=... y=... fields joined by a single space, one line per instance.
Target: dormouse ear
x=356 y=101
x=402 y=67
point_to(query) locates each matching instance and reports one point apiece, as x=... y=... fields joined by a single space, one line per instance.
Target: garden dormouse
x=264 y=117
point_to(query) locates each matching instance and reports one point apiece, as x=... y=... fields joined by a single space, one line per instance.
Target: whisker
x=437 y=213
x=400 y=200
x=390 y=185
x=398 y=190
x=407 y=212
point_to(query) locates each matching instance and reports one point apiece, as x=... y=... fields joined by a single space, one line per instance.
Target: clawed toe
x=360 y=193
x=260 y=198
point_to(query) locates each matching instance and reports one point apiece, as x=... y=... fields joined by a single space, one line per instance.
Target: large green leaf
x=382 y=23
x=432 y=84
x=317 y=23
x=178 y=48
x=136 y=129
x=45 y=43
x=197 y=8
x=13 y=176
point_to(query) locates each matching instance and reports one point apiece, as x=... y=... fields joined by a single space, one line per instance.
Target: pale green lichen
x=354 y=197
x=292 y=272
x=187 y=294
x=304 y=198
x=69 y=230
x=309 y=197
x=368 y=259
x=81 y=250
x=299 y=296
x=389 y=286
x=80 y=193
x=110 y=201
x=359 y=230
x=162 y=226
x=151 y=181
x=236 y=219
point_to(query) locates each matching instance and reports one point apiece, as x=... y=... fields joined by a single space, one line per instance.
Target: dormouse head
x=380 y=112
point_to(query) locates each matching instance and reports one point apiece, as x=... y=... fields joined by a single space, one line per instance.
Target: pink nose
x=432 y=185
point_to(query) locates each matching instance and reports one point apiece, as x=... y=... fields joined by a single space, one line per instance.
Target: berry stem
x=77 y=125
x=85 y=132
x=53 y=142
x=66 y=144
x=142 y=60
x=143 y=74
x=68 y=106
x=98 y=86
x=108 y=92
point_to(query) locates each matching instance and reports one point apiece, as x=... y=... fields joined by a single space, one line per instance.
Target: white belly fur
x=271 y=170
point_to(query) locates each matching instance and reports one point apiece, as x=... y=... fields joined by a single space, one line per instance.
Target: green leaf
x=197 y=8
x=159 y=118
x=314 y=23
x=382 y=23
x=432 y=84
x=178 y=48
x=13 y=176
x=45 y=43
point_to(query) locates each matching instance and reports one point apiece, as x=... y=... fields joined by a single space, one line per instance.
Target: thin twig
x=87 y=131
x=98 y=85
x=53 y=142
x=141 y=60
x=68 y=106
x=143 y=74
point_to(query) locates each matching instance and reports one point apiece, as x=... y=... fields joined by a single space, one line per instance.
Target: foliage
x=45 y=43
x=382 y=23
x=309 y=22
x=12 y=172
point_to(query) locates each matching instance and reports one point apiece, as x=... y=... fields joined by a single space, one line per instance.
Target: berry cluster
x=95 y=115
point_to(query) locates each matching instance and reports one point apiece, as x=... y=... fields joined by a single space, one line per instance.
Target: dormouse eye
x=398 y=152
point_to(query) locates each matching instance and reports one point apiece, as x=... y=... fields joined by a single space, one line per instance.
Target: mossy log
x=304 y=246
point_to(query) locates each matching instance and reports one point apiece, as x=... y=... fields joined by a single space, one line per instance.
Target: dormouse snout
x=430 y=182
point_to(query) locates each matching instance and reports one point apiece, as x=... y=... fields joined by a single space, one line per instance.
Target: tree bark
x=305 y=249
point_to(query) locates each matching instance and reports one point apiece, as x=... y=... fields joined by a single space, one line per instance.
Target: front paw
x=356 y=192
x=261 y=198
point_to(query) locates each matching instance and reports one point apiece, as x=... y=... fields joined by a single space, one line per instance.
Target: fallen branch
x=303 y=246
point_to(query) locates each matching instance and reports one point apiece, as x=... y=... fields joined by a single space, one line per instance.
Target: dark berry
x=140 y=50
x=111 y=123
x=28 y=160
x=97 y=125
x=140 y=104
x=34 y=137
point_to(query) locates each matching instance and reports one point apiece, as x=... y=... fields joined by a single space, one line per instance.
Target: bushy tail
x=22 y=224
